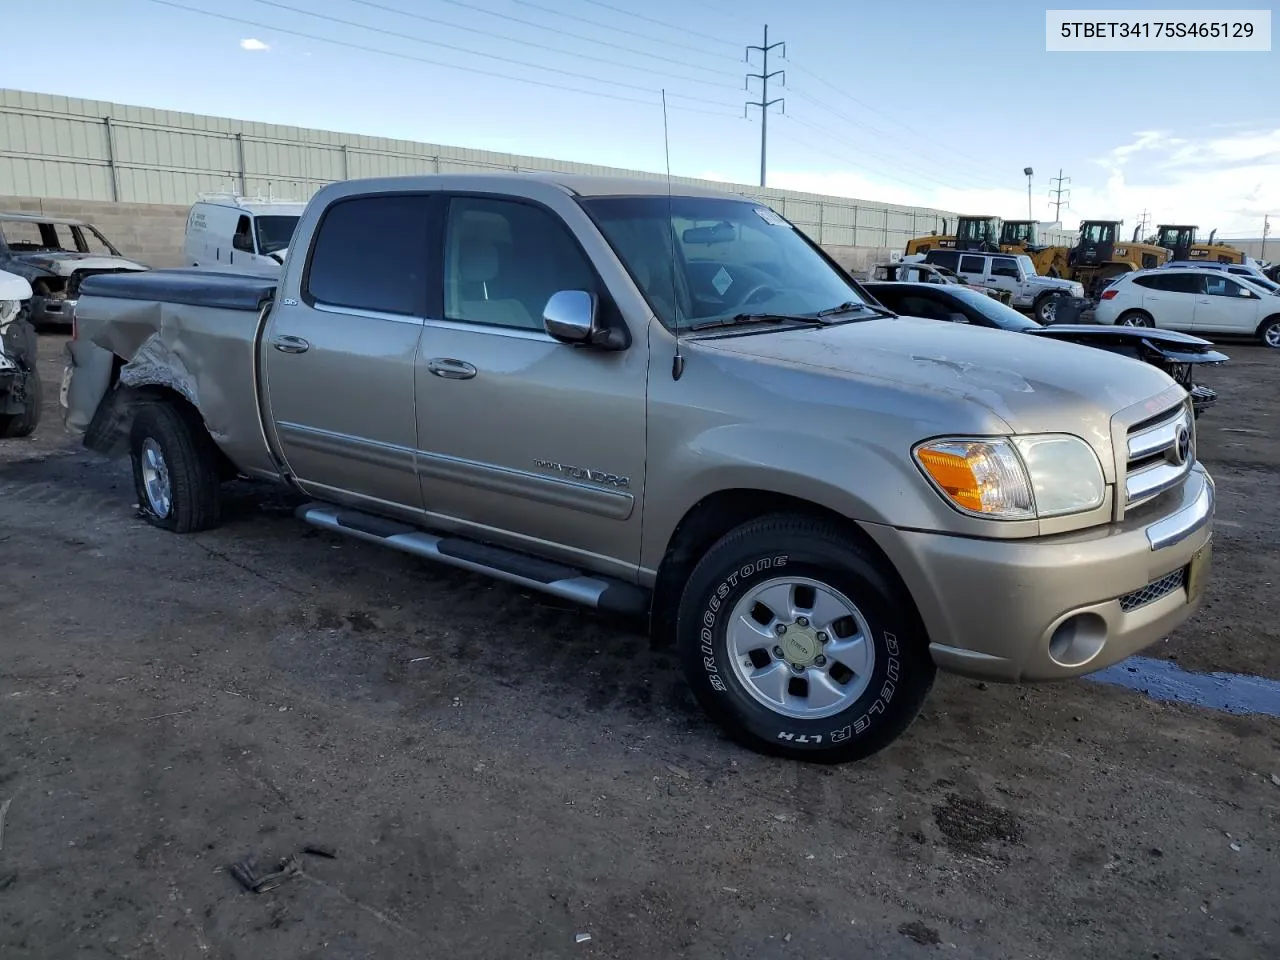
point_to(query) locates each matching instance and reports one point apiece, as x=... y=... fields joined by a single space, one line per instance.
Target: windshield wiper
x=742 y=318
x=850 y=305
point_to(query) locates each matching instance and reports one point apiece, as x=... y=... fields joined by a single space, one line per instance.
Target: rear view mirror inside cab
x=723 y=232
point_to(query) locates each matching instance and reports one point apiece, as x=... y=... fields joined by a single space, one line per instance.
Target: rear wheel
x=1269 y=333
x=176 y=472
x=799 y=642
x=1135 y=318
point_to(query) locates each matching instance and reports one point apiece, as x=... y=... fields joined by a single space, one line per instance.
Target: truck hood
x=1032 y=384
x=1052 y=283
x=63 y=263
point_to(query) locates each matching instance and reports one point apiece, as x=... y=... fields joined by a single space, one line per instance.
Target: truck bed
x=188 y=286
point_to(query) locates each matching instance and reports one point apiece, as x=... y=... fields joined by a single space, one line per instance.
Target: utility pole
x=1058 y=203
x=764 y=103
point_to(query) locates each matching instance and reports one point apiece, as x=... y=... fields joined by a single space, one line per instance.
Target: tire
x=1134 y=318
x=826 y=571
x=171 y=450
x=1269 y=333
x=1045 y=309
x=23 y=347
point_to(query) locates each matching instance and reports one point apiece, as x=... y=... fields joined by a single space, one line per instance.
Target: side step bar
x=568 y=583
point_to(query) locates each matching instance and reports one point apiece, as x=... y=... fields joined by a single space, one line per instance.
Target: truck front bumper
x=1062 y=606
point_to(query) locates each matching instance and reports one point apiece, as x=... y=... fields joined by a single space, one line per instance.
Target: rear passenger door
x=524 y=440
x=973 y=269
x=338 y=358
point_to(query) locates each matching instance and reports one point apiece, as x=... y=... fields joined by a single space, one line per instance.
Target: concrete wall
x=150 y=233
x=68 y=148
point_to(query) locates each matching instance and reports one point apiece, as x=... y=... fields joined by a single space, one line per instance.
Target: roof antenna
x=677 y=361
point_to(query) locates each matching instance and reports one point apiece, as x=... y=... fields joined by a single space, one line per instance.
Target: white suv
x=1191 y=299
x=1014 y=272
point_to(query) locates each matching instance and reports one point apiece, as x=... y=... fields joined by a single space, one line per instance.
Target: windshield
x=977 y=229
x=730 y=257
x=1098 y=233
x=1018 y=233
x=274 y=232
x=1006 y=318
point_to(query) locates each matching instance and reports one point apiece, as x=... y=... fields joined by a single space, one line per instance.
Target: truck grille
x=1161 y=453
x=1153 y=591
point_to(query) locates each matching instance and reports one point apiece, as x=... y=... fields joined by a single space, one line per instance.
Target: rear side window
x=370 y=253
x=1170 y=282
x=943 y=258
x=973 y=264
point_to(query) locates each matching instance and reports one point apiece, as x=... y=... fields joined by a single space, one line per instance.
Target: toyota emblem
x=1181 y=451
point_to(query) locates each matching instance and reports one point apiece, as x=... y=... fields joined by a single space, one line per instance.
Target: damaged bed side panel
x=127 y=348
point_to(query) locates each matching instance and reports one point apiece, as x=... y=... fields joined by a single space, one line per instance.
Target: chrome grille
x=1161 y=453
x=1154 y=590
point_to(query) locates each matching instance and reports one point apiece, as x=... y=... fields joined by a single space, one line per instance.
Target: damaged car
x=20 y=393
x=55 y=255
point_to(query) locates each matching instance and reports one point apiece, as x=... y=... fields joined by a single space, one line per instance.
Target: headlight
x=1022 y=478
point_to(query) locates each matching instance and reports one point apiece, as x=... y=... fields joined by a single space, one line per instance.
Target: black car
x=1177 y=354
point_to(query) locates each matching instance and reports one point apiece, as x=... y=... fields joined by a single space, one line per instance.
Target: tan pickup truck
x=675 y=406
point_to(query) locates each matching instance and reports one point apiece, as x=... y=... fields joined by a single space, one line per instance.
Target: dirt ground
x=498 y=775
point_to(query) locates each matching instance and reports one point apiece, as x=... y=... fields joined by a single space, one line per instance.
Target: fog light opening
x=1078 y=639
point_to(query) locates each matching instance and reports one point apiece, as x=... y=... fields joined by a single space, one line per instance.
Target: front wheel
x=24 y=348
x=176 y=472
x=1269 y=333
x=798 y=641
x=1046 y=309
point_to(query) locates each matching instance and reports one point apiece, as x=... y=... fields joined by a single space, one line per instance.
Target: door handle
x=1204 y=301
x=451 y=369
x=288 y=344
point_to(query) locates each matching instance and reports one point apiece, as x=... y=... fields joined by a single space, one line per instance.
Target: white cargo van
x=240 y=234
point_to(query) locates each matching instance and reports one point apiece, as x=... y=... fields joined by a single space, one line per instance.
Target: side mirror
x=572 y=316
x=243 y=242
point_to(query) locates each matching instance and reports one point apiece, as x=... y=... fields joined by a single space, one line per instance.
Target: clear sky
x=927 y=102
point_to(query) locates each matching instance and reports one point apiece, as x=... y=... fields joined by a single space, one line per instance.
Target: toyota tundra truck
x=669 y=402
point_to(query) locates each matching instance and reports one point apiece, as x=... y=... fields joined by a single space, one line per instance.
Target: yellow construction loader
x=1021 y=236
x=1100 y=255
x=972 y=233
x=1181 y=239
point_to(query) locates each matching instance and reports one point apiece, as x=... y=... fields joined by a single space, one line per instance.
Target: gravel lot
x=499 y=774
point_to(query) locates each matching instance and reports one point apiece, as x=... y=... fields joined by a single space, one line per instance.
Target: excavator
x=974 y=233
x=1181 y=239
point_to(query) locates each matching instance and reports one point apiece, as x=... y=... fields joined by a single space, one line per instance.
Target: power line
x=1058 y=203
x=661 y=23
x=478 y=53
x=867 y=106
x=631 y=33
x=538 y=26
x=863 y=151
x=382 y=51
x=981 y=182
x=764 y=103
x=844 y=159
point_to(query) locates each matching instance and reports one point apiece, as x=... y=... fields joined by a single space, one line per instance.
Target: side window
x=504 y=259
x=243 y=239
x=1004 y=267
x=1186 y=282
x=943 y=258
x=1220 y=285
x=370 y=253
x=919 y=306
x=973 y=264
x=1152 y=282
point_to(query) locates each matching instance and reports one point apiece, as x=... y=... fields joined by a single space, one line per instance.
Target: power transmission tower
x=1058 y=203
x=764 y=103
x=1142 y=222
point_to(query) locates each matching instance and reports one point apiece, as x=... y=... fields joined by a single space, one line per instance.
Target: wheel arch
x=715 y=515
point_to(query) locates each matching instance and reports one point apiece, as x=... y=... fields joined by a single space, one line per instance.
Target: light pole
x=1266 y=229
x=1028 y=171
